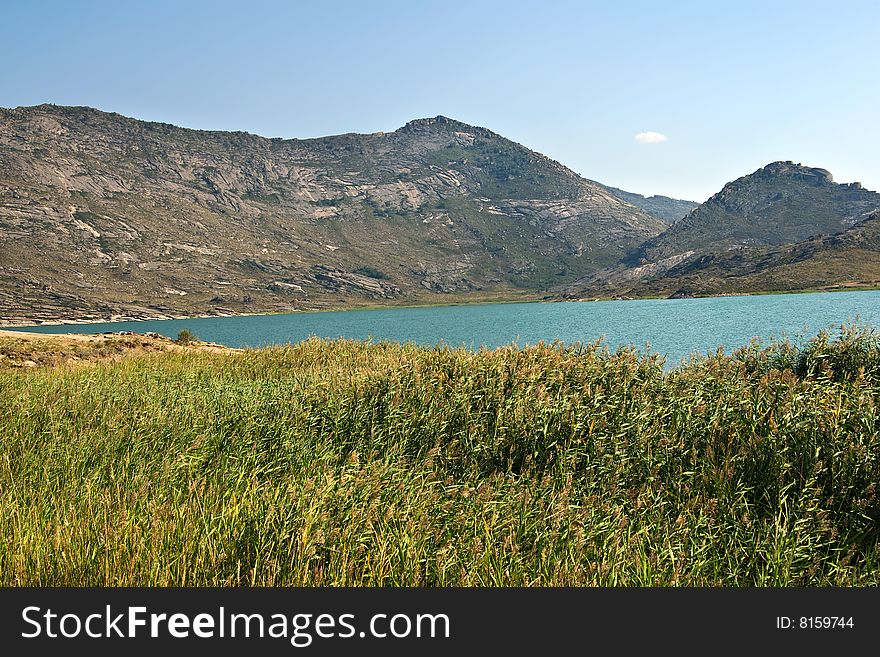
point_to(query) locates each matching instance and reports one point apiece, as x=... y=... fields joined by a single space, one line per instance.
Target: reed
x=349 y=463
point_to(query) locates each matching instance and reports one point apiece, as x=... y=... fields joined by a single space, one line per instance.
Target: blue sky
x=731 y=85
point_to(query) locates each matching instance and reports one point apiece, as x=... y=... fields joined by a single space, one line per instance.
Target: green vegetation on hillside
x=781 y=203
x=847 y=260
x=330 y=463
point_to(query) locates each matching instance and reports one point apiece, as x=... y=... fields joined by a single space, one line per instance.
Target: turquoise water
x=674 y=327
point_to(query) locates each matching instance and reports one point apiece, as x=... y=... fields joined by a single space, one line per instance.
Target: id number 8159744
x=814 y=622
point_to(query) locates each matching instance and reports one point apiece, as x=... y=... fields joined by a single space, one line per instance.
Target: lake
x=673 y=327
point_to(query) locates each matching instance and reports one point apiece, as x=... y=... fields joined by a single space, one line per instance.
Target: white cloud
x=650 y=137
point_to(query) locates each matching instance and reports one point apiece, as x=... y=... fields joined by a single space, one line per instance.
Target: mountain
x=850 y=259
x=106 y=216
x=784 y=227
x=781 y=203
x=666 y=209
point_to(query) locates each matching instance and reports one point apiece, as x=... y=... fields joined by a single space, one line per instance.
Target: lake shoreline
x=114 y=319
x=675 y=330
x=161 y=317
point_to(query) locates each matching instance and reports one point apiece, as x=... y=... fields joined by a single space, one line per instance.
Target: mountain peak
x=782 y=172
x=790 y=169
x=439 y=122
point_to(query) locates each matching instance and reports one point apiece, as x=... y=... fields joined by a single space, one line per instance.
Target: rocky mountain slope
x=849 y=259
x=780 y=203
x=103 y=216
x=784 y=227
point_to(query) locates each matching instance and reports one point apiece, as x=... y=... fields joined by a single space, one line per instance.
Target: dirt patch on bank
x=22 y=349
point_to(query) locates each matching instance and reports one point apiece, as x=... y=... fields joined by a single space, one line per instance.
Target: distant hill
x=106 y=216
x=784 y=227
x=846 y=260
x=779 y=204
x=668 y=210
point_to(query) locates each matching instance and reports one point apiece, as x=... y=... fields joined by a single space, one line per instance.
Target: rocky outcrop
x=336 y=280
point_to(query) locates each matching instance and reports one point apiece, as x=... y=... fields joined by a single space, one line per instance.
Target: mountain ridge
x=105 y=216
x=846 y=260
x=783 y=218
x=792 y=201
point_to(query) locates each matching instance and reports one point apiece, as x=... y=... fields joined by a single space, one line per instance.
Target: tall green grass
x=345 y=463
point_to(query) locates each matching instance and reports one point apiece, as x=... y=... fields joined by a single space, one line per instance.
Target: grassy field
x=344 y=463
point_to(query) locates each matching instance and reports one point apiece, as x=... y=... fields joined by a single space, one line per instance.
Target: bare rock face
x=103 y=215
x=336 y=280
